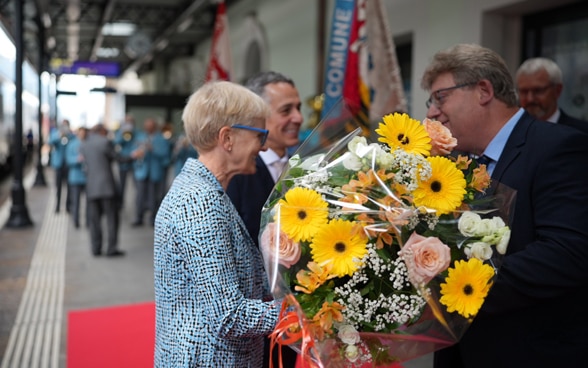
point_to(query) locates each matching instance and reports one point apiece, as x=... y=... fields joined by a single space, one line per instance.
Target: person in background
x=124 y=140
x=539 y=86
x=76 y=174
x=183 y=150
x=101 y=190
x=211 y=290
x=30 y=145
x=58 y=140
x=151 y=157
x=249 y=192
x=535 y=313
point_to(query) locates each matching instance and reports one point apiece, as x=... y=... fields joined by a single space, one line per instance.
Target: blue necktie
x=490 y=163
x=484 y=160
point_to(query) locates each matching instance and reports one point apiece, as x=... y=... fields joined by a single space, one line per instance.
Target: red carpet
x=121 y=336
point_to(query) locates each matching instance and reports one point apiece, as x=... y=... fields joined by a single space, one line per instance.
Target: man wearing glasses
x=249 y=192
x=539 y=85
x=535 y=313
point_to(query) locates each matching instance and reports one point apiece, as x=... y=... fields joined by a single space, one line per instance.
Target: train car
x=30 y=101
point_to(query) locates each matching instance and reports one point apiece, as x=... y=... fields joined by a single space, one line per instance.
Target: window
x=560 y=34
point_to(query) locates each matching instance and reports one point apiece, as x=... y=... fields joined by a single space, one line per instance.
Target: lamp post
x=40 y=178
x=19 y=214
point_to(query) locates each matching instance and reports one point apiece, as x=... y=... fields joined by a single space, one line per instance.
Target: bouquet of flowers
x=381 y=251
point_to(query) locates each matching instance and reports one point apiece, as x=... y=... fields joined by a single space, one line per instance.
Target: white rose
x=504 y=239
x=479 y=250
x=385 y=159
x=294 y=160
x=312 y=163
x=366 y=152
x=485 y=227
x=351 y=162
x=468 y=223
x=348 y=334
x=351 y=353
x=498 y=222
x=355 y=144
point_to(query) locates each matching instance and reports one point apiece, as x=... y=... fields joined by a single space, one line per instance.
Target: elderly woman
x=213 y=305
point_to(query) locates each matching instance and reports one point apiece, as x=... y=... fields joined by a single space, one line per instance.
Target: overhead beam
x=99 y=37
x=169 y=30
x=73 y=29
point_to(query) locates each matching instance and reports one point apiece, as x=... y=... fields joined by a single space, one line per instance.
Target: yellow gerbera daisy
x=445 y=189
x=466 y=287
x=342 y=244
x=302 y=212
x=401 y=131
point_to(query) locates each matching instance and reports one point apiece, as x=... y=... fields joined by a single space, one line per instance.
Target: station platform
x=47 y=272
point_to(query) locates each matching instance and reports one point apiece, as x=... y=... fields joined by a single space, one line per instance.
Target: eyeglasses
x=537 y=91
x=438 y=96
x=262 y=132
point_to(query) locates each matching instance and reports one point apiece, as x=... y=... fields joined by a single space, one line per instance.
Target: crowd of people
x=213 y=305
x=97 y=163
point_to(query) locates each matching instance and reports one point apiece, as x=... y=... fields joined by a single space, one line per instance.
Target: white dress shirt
x=275 y=164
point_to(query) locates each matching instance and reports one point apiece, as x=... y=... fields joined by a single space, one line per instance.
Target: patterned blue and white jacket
x=209 y=279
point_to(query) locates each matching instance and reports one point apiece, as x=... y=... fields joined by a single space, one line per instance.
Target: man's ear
x=485 y=91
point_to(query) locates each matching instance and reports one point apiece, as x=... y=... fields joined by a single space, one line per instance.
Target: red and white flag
x=220 y=65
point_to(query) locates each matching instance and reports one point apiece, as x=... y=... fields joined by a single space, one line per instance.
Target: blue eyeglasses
x=262 y=132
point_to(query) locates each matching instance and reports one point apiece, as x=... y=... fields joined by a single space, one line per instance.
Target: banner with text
x=362 y=67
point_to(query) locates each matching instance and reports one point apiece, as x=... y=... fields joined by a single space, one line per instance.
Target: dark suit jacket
x=535 y=314
x=566 y=119
x=249 y=193
x=99 y=155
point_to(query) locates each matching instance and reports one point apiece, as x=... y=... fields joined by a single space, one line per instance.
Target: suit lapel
x=513 y=147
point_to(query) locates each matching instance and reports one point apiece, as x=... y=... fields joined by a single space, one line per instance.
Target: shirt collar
x=496 y=145
x=270 y=156
x=555 y=117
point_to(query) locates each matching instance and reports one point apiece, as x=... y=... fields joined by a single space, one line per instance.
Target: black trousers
x=149 y=196
x=123 y=174
x=76 y=191
x=99 y=208
x=60 y=179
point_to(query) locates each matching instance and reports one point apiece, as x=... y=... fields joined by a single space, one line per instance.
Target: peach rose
x=442 y=141
x=424 y=257
x=287 y=250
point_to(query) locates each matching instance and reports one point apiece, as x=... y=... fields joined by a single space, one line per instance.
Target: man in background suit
x=539 y=85
x=101 y=190
x=535 y=314
x=249 y=192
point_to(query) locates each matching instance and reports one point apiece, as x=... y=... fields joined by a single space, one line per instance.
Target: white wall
x=291 y=30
